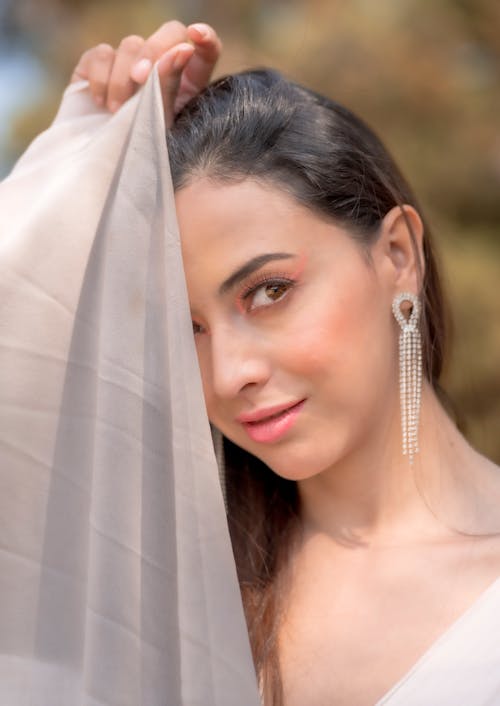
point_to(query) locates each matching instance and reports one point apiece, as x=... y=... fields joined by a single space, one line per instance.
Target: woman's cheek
x=319 y=340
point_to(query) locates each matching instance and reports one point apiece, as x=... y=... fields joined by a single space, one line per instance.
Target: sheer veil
x=117 y=580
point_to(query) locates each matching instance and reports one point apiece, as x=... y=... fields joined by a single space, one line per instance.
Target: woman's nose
x=239 y=361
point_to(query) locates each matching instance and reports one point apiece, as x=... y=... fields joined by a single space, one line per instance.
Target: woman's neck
x=374 y=495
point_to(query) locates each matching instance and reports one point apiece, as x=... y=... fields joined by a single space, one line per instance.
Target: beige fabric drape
x=117 y=582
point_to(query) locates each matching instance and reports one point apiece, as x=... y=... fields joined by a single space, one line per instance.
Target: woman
x=305 y=255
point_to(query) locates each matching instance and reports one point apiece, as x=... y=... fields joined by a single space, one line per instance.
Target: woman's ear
x=399 y=249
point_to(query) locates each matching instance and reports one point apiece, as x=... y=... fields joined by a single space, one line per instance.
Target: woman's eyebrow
x=249 y=267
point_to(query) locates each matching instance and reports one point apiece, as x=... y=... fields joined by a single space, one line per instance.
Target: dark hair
x=259 y=125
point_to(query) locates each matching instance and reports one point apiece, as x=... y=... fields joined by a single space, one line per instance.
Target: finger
x=170 y=68
x=101 y=53
x=121 y=86
x=208 y=48
x=99 y=73
x=167 y=36
x=196 y=76
x=80 y=72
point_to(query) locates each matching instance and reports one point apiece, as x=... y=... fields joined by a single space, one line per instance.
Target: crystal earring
x=410 y=371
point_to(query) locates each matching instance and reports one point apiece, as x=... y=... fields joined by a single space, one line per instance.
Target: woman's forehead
x=242 y=220
x=225 y=228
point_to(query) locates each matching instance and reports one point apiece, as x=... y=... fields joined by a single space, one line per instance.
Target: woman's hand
x=186 y=57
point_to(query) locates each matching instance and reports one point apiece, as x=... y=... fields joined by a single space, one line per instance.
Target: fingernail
x=140 y=71
x=201 y=29
x=113 y=106
x=99 y=100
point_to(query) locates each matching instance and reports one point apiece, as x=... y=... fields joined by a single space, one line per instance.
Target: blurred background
x=424 y=73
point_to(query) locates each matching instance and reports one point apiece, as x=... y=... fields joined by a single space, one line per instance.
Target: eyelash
x=265 y=281
x=252 y=288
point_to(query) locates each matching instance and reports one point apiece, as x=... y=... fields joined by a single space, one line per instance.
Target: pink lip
x=268 y=425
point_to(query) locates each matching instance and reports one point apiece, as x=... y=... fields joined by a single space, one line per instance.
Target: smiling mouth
x=273 y=426
x=275 y=415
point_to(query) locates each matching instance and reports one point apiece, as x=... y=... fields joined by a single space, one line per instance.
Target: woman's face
x=293 y=326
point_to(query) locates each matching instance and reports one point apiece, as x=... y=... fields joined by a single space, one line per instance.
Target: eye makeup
x=253 y=265
x=285 y=279
x=245 y=300
x=257 y=280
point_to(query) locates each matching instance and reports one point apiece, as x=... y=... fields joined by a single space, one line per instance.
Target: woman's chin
x=298 y=464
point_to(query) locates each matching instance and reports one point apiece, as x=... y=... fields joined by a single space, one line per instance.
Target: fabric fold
x=117 y=580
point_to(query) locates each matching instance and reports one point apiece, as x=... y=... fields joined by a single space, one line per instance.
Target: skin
x=185 y=56
x=359 y=599
x=370 y=540
x=253 y=357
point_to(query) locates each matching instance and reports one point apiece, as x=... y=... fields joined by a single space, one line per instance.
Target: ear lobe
x=401 y=239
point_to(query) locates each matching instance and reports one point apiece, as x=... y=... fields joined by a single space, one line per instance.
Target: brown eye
x=276 y=291
x=269 y=293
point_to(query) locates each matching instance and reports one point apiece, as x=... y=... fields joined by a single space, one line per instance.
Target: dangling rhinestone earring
x=410 y=371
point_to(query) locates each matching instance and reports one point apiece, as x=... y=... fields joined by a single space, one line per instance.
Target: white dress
x=462 y=668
